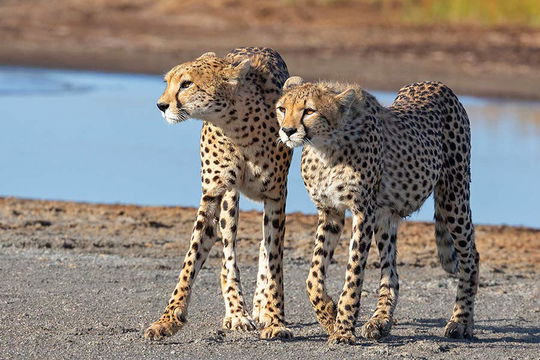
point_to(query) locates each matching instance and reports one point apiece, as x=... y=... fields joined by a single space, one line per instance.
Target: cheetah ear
x=207 y=54
x=346 y=99
x=238 y=72
x=292 y=82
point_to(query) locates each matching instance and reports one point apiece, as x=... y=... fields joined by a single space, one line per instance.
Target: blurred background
x=79 y=80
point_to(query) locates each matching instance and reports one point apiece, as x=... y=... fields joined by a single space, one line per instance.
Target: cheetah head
x=311 y=112
x=202 y=89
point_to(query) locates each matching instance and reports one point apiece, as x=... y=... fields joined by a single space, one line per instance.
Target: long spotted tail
x=445 y=243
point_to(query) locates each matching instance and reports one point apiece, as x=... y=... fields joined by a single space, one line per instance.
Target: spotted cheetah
x=382 y=164
x=235 y=98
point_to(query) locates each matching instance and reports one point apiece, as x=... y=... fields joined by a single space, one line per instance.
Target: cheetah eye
x=185 y=84
x=281 y=109
x=308 y=111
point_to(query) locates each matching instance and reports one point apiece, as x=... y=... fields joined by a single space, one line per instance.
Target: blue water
x=98 y=137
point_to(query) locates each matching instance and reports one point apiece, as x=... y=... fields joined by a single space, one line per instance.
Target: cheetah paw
x=328 y=327
x=239 y=323
x=455 y=330
x=257 y=314
x=376 y=329
x=160 y=330
x=342 y=337
x=276 y=332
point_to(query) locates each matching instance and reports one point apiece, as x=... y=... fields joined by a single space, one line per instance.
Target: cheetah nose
x=162 y=106
x=288 y=130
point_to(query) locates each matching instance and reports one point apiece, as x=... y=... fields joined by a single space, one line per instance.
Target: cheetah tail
x=445 y=246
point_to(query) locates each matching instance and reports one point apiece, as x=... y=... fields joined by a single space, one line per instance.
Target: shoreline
x=381 y=74
x=164 y=232
x=172 y=207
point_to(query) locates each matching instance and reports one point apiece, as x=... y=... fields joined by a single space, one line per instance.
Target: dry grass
x=428 y=12
x=488 y=13
x=479 y=12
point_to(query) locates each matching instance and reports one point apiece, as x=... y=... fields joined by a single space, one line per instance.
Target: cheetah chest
x=335 y=186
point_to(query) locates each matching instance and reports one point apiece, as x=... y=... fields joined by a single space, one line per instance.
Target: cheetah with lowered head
x=382 y=164
x=235 y=97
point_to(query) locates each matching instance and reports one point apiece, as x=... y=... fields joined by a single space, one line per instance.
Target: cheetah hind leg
x=456 y=214
x=272 y=315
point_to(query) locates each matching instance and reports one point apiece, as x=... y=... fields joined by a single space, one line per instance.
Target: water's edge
x=97 y=137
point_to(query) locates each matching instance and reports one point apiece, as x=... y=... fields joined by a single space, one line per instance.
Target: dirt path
x=164 y=232
x=56 y=304
x=83 y=281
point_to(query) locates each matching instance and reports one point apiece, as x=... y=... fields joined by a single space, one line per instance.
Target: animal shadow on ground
x=531 y=335
x=301 y=325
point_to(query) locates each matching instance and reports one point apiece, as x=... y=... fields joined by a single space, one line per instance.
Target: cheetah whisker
x=308 y=141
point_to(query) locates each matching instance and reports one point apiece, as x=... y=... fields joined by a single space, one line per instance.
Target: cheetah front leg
x=329 y=229
x=349 y=300
x=272 y=316
x=236 y=315
x=385 y=237
x=202 y=239
x=259 y=301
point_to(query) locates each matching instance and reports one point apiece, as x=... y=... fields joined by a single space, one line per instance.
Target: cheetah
x=235 y=98
x=381 y=164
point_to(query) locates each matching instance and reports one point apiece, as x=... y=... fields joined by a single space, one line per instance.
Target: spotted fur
x=382 y=164
x=235 y=97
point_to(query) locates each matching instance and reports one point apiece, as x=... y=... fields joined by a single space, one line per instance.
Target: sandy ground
x=349 y=41
x=57 y=304
x=82 y=281
x=164 y=232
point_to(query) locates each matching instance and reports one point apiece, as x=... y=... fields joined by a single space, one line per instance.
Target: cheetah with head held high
x=235 y=97
x=382 y=164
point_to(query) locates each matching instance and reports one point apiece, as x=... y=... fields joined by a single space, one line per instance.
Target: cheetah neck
x=357 y=133
x=250 y=121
